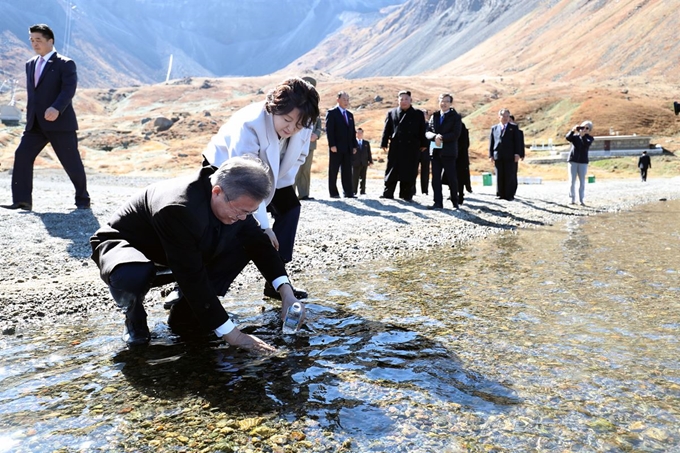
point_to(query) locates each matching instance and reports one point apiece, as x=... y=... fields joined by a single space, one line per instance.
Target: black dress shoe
x=335 y=196
x=435 y=206
x=306 y=198
x=136 y=333
x=269 y=291
x=83 y=206
x=350 y=196
x=20 y=205
x=387 y=197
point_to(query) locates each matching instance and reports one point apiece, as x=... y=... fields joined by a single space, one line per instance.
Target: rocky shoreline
x=47 y=274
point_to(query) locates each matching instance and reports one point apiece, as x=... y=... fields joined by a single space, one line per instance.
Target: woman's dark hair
x=42 y=29
x=291 y=94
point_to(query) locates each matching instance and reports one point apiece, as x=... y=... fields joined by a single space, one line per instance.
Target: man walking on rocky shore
x=403 y=139
x=51 y=81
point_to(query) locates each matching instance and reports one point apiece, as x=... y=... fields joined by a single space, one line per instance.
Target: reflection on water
x=562 y=339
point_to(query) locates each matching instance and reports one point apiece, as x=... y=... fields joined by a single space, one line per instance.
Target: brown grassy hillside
x=116 y=139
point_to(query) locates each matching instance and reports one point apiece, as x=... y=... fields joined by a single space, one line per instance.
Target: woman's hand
x=272 y=237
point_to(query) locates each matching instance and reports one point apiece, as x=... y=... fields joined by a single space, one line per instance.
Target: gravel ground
x=46 y=272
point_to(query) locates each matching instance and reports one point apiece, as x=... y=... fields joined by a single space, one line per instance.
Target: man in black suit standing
x=342 y=143
x=505 y=150
x=51 y=81
x=404 y=136
x=644 y=163
x=444 y=130
x=360 y=162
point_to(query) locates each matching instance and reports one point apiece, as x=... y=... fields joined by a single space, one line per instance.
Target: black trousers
x=65 y=145
x=401 y=169
x=506 y=178
x=448 y=164
x=359 y=175
x=643 y=173
x=425 y=171
x=342 y=162
x=130 y=282
x=285 y=208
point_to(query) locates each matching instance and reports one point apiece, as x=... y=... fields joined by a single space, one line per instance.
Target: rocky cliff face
x=118 y=42
x=417 y=36
x=127 y=42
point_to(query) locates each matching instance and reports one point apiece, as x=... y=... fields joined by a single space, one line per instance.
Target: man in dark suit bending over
x=51 y=81
x=200 y=227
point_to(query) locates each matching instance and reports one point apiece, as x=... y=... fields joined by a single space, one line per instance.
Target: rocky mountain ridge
x=129 y=42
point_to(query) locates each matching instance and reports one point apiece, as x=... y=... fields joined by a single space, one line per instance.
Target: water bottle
x=293 y=317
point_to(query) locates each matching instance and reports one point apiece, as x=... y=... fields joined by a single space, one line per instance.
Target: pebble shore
x=47 y=274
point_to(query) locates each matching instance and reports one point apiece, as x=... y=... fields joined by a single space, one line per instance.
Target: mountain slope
x=125 y=42
x=566 y=40
x=418 y=36
x=554 y=39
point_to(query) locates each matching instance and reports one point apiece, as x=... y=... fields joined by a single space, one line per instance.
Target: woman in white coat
x=277 y=131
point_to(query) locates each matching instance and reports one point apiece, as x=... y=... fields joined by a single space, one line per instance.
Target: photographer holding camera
x=580 y=139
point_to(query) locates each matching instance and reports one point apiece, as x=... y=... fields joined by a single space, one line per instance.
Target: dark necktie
x=344 y=114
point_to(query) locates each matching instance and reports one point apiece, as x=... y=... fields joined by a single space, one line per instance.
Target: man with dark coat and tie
x=51 y=81
x=505 y=150
x=404 y=139
x=444 y=130
x=342 y=144
x=360 y=162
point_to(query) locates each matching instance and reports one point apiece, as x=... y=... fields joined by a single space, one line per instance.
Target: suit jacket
x=406 y=134
x=503 y=145
x=645 y=162
x=56 y=88
x=171 y=223
x=340 y=134
x=251 y=131
x=449 y=128
x=363 y=155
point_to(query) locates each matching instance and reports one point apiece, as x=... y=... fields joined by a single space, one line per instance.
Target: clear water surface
x=561 y=339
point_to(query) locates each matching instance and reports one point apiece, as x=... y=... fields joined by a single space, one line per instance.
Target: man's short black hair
x=406 y=92
x=44 y=29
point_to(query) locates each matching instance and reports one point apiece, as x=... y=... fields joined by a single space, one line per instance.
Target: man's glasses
x=240 y=212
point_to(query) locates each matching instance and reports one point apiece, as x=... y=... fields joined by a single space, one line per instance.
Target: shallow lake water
x=560 y=339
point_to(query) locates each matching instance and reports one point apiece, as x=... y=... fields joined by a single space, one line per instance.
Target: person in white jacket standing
x=277 y=131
